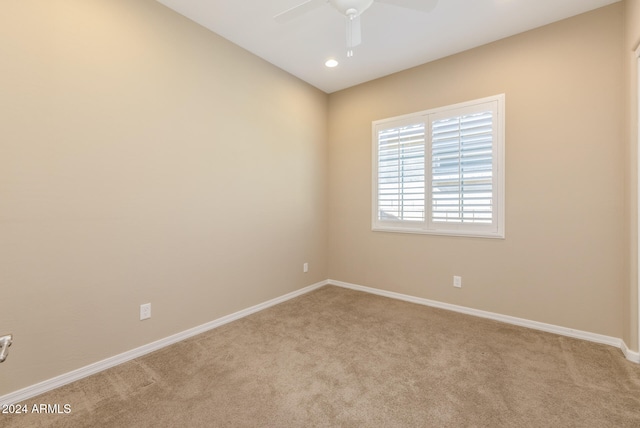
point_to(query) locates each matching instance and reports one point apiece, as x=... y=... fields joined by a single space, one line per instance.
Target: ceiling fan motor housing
x=346 y=7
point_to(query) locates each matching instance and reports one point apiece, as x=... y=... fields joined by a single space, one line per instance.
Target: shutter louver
x=401 y=176
x=462 y=169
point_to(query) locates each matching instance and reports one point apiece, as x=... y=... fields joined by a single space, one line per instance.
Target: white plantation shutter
x=401 y=162
x=462 y=169
x=441 y=171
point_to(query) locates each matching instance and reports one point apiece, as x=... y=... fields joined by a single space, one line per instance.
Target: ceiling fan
x=352 y=9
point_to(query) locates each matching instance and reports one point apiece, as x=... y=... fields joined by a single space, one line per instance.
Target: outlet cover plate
x=145 y=311
x=457 y=281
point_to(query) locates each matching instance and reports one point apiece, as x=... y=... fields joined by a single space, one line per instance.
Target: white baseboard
x=630 y=355
x=550 y=328
x=58 y=381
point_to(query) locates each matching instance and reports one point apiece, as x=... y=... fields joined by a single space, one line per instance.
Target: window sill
x=460 y=233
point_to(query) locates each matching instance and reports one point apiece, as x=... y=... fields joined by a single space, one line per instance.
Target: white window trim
x=497 y=227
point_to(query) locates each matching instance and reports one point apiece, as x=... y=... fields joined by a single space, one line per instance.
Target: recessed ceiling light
x=331 y=63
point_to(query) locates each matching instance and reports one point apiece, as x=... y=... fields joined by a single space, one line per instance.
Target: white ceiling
x=393 y=38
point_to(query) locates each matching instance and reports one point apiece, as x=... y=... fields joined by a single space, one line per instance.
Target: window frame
x=495 y=229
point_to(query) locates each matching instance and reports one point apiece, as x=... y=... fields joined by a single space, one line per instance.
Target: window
x=441 y=171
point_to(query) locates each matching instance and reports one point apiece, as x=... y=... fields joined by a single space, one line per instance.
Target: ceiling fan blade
x=420 y=5
x=298 y=10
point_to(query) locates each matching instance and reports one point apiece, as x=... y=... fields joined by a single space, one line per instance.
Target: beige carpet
x=341 y=358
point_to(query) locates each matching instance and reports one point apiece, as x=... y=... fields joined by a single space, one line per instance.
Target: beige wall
x=632 y=40
x=144 y=159
x=563 y=260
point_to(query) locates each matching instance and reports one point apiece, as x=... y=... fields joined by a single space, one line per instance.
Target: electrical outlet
x=305 y=267
x=145 y=311
x=457 y=281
